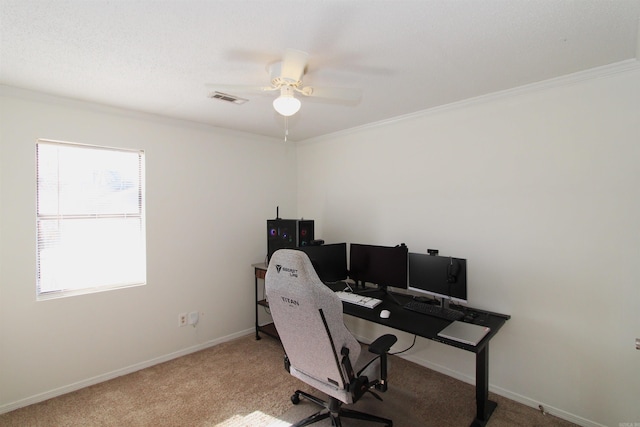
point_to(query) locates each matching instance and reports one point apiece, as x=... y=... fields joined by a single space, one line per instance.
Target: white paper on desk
x=463 y=332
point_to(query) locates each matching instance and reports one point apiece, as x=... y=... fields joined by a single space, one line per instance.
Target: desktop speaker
x=288 y=233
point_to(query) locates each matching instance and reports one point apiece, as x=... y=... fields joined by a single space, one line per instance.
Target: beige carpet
x=242 y=383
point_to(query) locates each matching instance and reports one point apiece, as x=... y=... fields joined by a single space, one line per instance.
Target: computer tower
x=305 y=232
x=288 y=233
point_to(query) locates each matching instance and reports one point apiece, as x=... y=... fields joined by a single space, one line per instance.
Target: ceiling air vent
x=228 y=98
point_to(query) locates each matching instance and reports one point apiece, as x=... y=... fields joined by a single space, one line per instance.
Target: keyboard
x=351 y=298
x=434 y=310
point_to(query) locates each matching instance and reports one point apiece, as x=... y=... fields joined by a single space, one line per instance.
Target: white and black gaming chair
x=319 y=349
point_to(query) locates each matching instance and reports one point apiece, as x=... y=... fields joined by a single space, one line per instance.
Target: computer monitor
x=380 y=265
x=329 y=261
x=440 y=276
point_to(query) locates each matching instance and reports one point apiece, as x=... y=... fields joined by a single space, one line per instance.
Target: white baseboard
x=547 y=409
x=165 y=358
x=494 y=389
x=505 y=393
x=118 y=373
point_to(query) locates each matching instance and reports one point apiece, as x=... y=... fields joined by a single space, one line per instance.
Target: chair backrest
x=308 y=317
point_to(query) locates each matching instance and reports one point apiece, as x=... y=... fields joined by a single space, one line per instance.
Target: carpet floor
x=242 y=383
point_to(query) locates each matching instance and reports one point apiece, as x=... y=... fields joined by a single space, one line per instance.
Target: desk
x=260 y=270
x=421 y=325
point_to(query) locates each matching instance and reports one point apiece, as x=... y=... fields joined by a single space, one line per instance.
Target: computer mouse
x=385 y=314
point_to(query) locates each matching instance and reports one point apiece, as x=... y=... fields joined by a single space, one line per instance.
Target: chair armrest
x=382 y=344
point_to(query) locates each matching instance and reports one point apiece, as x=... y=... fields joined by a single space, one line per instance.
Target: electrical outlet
x=193 y=318
x=182 y=319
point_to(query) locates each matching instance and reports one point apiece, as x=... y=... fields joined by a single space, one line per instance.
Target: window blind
x=90 y=218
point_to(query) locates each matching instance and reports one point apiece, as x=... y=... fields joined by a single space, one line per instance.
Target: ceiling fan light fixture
x=286 y=104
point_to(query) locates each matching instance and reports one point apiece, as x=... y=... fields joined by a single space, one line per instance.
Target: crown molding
x=63 y=101
x=563 y=81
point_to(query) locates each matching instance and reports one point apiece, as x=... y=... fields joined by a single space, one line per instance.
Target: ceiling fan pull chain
x=286 y=128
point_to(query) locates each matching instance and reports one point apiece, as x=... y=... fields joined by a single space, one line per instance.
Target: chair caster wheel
x=295 y=399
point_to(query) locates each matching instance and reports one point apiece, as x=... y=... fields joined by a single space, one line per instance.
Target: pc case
x=288 y=233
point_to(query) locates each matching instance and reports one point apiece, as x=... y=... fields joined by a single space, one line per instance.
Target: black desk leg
x=256 y=304
x=484 y=406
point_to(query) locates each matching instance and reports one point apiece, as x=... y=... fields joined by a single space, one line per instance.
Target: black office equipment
x=330 y=261
x=434 y=310
x=288 y=234
x=413 y=323
x=380 y=265
x=440 y=276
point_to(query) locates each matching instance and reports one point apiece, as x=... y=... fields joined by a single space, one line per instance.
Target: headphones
x=452 y=271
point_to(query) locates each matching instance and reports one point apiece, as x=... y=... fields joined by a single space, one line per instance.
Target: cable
x=406 y=349
x=348 y=288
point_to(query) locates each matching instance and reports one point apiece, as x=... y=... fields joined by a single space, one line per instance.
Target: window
x=90 y=218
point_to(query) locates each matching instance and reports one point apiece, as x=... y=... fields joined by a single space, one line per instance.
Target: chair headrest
x=292 y=265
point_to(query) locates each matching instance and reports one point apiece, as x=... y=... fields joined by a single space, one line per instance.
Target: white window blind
x=90 y=218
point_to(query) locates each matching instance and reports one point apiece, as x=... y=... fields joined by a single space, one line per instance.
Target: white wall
x=538 y=189
x=209 y=192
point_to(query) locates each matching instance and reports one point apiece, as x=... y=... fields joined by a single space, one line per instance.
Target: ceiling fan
x=287 y=78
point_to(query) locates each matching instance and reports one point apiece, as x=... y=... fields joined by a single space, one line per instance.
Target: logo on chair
x=292 y=271
x=290 y=301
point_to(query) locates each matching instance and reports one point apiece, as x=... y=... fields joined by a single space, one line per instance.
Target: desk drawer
x=260 y=273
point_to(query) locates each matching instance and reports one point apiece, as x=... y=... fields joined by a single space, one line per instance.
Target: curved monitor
x=439 y=276
x=381 y=265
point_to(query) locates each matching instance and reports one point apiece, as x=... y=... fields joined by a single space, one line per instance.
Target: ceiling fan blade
x=231 y=89
x=336 y=93
x=294 y=64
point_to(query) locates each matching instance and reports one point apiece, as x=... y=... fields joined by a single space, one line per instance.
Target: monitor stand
x=382 y=289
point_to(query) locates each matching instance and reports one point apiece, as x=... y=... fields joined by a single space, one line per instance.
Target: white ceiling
x=406 y=55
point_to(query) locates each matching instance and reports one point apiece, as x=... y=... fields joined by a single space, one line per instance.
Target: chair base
x=333 y=409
